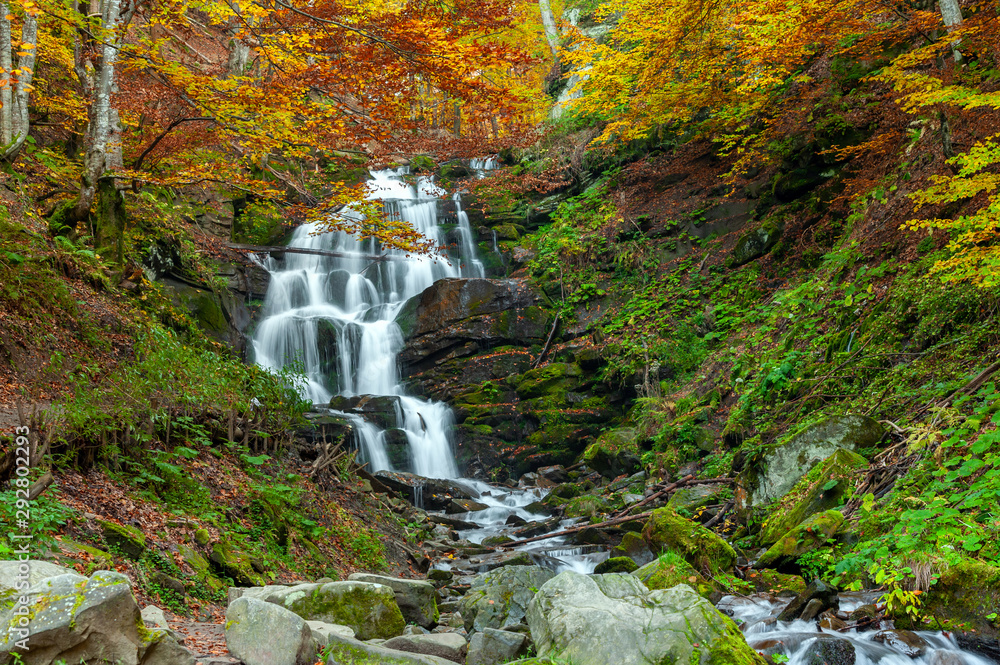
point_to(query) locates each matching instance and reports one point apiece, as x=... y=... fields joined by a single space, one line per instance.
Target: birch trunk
x=951 y=14
x=549 y=23
x=14 y=97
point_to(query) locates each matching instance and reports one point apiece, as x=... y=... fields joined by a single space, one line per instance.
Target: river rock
x=668 y=571
x=262 y=633
x=666 y=530
x=494 y=647
x=816 y=590
x=789 y=462
x=500 y=598
x=806 y=537
x=457 y=317
x=71 y=618
x=464 y=506
x=417 y=599
x=429 y=493
x=346 y=651
x=829 y=650
x=369 y=609
x=322 y=631
x=600 y=619
x=450 y=646
x=905 y=641
x=635 y=548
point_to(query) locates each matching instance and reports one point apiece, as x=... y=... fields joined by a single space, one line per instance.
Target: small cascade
x=483 y=164
x=334 y=318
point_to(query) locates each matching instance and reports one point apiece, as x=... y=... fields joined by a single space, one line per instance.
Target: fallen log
x=666 y=490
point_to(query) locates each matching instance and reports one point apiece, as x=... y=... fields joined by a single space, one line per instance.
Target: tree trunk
x=551 y=32
x=14 y=121
x=951 y=14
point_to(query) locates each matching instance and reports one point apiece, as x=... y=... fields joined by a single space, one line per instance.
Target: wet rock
x=905 y=641
x=817 y=590
x=615 y=452
x=450 y=646
x=864 y=613
x=620 y=564
x=500 y=598
x=940 y=657
x=495 y=647
x=830 y=621
x=635 y=548
x=417 y=600
x=667 y=572
x=812 y=609
x=464 y=506
x=515 y=520
x=261 y=633
x=980 y=644
x=433 y=493
x=828 y=650
x=806 y=537
x=789 y=462
x=452 y=522
x=666 y=530
x=601 y=619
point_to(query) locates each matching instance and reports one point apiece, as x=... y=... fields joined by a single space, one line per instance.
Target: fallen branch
x=719 y=515
x=545 y=349
x=574 y=529
x=655 y=495
x=40 y=485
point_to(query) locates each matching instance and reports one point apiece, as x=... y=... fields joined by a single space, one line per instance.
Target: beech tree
x=15 y=84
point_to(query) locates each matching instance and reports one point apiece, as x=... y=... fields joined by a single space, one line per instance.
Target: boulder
x=635 y=548
x=615 y=452
x=500 y=597
x=22 y=575
x=792 y=460
x=370 y=610
x=755 y=244
x=262 y=633
x=817 y=591
x=71 y=618
x=823 y=488
x=347 y=651
x=806 y=537
x=829 y=650
x=464 y=506
x=668 y=571
x=600 y=619
x=234 y=564
x=417 y=599
x=494 y=647
x=617 y=564
x=666 y=530
x=696 y=496
x=905 y=641
x=457 y=317
x=322 y=631
x=771 y=581
x=429 y=493
x=124 y=539
x=450 y=646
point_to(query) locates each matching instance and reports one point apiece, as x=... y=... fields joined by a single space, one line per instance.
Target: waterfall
x=334 y=318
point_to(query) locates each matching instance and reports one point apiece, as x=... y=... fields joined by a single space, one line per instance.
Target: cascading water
x=348 y=302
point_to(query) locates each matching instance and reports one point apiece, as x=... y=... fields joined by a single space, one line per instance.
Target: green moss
x=125 y=539
x=234 y=564
x=552 y=380
x=669 y=570
x=666 y=530
x=616 y=564
x=370 y=612
x=806 y=537
x=964 y=595
x=586 y=506
x=732 y=649
x=771 y=581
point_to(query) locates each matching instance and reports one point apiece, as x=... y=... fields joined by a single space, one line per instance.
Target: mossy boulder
x=417 y=599
x=635 y=548
x=824 y=488
x=666 y=530
x=755 y=244
x=670 y=570
x=786 y=464
x=500 y=597
x=964 y=595
x=808 y=536
x=507 y=232
x=616 y=564
x=367 y=608
x=696 y=496
x=615 y=452
x=771 y=581
x=202 y=569
x=125 y=539
x=587 y=505
x=552 y=379
x=422 y=164
x=230 y=562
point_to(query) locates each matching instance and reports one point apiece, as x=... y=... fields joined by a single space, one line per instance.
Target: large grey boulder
x=494 y=647
x=72 y=618
x=417 y=599
x=369 y=609
x=450 y=646
x=789 y=462
x=262 y=633
x=323 y=631
x=347 y=651
x=600 y=619
x=500 y=597
x=22 y=575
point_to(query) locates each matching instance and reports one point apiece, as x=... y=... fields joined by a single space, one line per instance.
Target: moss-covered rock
x=369 y=609
x=615 y=452
x=125 y=539
x=755 y=244
x=696 y=496
x=234 y=564
x=635 y=548
x=202 y=571
x=771 y=581
x=422 y=164
x=666 y=530
x=824 y=488
x=616 y=564
x=587 y=505
x=805 y=537
x=964 y=595
x=668 y=571
x=552 y=379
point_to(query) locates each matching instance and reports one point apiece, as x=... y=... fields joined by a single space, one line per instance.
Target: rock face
x=455 y=317
x=432 y=493
x=417 y=599
x=261 y=633
x=370 y=610
x=666 y=530
x=805 y=537
x=600 y=619
x=500 y=598
x=71 y=618
x=785 y=465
